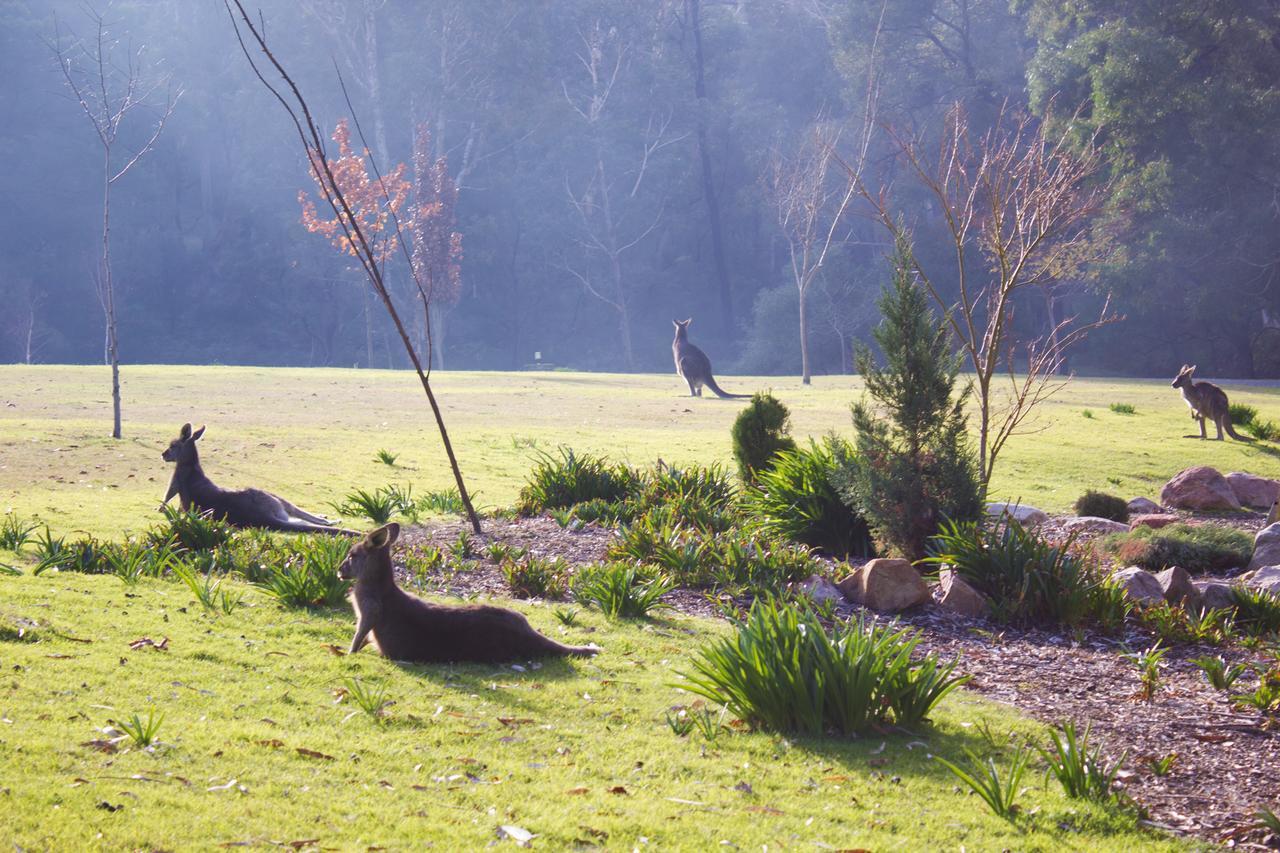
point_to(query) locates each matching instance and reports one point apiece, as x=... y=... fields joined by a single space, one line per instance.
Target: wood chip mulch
x=1227 y=765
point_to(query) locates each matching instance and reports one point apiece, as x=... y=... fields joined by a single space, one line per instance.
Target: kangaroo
x=1206 y=401
x=244 y=508
x=406 y=628
x=693 y=364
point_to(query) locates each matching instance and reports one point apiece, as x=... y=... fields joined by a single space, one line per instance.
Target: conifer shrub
x=1101 y=505
x=760 y=431
x=913 y=467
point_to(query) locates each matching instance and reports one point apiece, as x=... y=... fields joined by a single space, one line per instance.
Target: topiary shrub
x=794 y=499
x=1101 y=505
x=759 y=432
x=1202 y=549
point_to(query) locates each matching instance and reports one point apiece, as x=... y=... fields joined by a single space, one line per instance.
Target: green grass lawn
x=311 y=434
x=578 y=753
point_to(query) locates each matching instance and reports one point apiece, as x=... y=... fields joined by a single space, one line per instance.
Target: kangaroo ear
x=1191 y=369
x=384 y=536
x=687 y=322
x=675 y=323
x=185 y=432
x=195 y=436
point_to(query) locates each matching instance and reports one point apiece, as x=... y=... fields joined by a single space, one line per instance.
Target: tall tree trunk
x=693 y=10
x=109 y=296
x=804 y=336
x=437 y=338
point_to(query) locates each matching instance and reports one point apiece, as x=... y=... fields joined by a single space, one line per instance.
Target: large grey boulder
x=1201 y=488
x=1027 y=516
x=1266 y=547
x=1254 y=491
x=958 y=596
x=1267 y=579
x=886 y=584
x=1215 y=595
x=1139 y=585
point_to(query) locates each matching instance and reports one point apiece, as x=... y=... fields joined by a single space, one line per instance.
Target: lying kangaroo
x=1206 y=401
x=693 y=364
x=244 y=508
x=406 y=628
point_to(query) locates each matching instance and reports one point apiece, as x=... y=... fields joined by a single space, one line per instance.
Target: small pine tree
x=914 y=466
x=759 y=432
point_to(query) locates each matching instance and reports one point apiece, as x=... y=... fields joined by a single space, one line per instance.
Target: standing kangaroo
x=244 y=508
x=693 y=364
x=1206 y=401
x=404 y=627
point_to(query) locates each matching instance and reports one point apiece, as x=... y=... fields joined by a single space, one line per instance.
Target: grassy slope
x=312 y=434
x=241 y=693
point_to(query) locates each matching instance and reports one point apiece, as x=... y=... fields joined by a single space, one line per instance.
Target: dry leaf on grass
x=311 y=753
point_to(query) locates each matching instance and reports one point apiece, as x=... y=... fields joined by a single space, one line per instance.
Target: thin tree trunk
x=109 y=297
x=437 y=338
x=694 y=10
x=804 y=336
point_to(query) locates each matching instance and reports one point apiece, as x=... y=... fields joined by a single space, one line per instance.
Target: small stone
x=1154 y=520
x=1144 y=506
x=1139 y=585
x=1027 y=516
x=958 y=596
x=1200 y=487
x=819 y=589
x=1176 y=583
x=886 y=584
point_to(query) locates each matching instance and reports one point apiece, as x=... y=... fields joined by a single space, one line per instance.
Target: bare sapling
x=364 y=247
x=109 y=82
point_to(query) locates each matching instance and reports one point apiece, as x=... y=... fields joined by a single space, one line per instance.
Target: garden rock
x=1093 y=524
x=1252 y=490
x=1155 y=520
x=1139 y=585
x=955 y=594
x=1214 y=595
x=1025 y=515
x=886 y=584
x=1266 y=547
x=1201 y=487
x=1140 y=506
x=1178 y=588
x=819 y=589
x=1267 y=579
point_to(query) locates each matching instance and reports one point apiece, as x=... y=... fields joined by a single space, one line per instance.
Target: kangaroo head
x=682 y=327
x=369 y=552
x=183 y=448
x=1183 y=379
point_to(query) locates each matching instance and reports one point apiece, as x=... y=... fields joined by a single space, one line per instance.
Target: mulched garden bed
x=1227 y=764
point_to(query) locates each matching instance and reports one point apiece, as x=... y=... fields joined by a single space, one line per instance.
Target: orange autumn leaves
x=376 y=207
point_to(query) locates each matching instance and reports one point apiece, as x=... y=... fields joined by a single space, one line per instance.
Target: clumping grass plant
x=621 y=590
x=566 y=478
x=15 y=532
x=784 y=671
x=1083 y=772
x=537 y=577
x=998 y=790
x=308 y=574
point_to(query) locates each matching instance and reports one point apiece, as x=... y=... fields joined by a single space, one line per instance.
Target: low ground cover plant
x=1200 y=549
x=537 y=577
x=621 y=590
x=785 y=671
x=566 y=478
x=1102 y=505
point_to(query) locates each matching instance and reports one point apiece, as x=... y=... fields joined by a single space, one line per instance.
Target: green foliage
x=537 y=577
x=620 y=590
x=1265 y=430
x=559 y=482
x=442 y=502
x=308 y=574
x=1148 y=662
x=143 y=732
x=1123 y=409
x=985 y=779
x=207 y=590
x=1218 y=673
x=386 y=457
x=380 y=505
x=566 y=616
x=1242 y=415
x=1083 y=773
x=1257 y=612
x=462 y=548
x=760 y=431
x=1029 y=581
x=1163 y=765
x=1265 y=698
x=794 y=499
x=1101 y=505
x=370 y=697
x=191 y=529
x=914 y=466
x=1175 y=624
x=15 y=532
x=1268 y=820
x=1087 y=414
x=785 y=672
x=1200 y=549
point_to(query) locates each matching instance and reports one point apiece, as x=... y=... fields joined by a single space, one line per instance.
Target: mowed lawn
x=311 y=434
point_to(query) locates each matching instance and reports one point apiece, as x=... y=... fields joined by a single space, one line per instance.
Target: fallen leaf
x=101 y=745
x=764 y=810
x=77 y=782
x=878 y=762
x=518 y=834
x=619 y=789
x=515 y=721
x=384 y=783
x=274 y=743
x=144 y=642
x=226 y=787
x=108 y=807
x=578 y=791
x=59 y=657
x=311 y=753
x=302 y=842
x=835 y=779
x=335 y=650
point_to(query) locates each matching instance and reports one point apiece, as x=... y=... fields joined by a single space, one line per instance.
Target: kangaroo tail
x=721 y=393
x=581 y=651
x=1231 y=430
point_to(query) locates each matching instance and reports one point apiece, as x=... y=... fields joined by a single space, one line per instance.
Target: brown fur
x=243 y=508
x=406 y=628
x=1206 y=401
x=693 y=364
